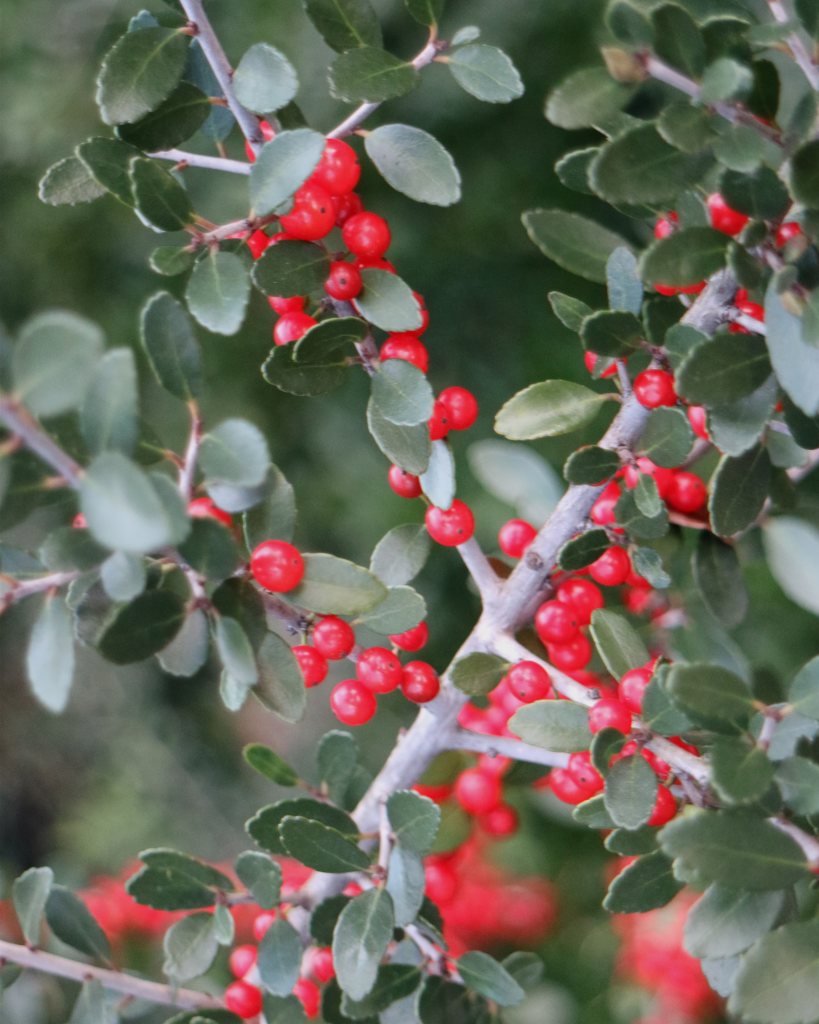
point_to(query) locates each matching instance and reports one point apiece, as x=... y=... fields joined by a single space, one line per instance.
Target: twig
x=20 y=422
x=188 y=468
x=210 y=163
x=797 y=47
x=502 y=746
x=384 y=837
x=220 y=65
x=479 y=569
x=22 y=589
x=114 y=981
x=749 y=322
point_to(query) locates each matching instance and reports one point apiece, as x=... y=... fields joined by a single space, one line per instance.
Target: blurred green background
x=140 y=759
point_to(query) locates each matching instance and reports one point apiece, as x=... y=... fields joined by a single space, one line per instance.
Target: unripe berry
x=313 y=215
x=608 y=713
x=612 y=568
x=333 y=637
x=411 y=639
x=206 y=508
x=461 y=406
x=344 y=281
x=582 y=596
x=404 y=484
x=515 y=536
x=366 y=234
x=338 y=169
x=420 y=682
x=407 y=347
x=723 y=217
x=312 y=664
x=352 y=702
x=379 y=670
x=451 y=526
x=653 y=388
x=529 y=681
x=556 y=622
x=277 y=566
x=291 y=327
x=478 y=792
x=687 y=493
x=243 y=999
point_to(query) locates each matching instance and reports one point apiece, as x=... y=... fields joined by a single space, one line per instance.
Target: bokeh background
x=141 y=759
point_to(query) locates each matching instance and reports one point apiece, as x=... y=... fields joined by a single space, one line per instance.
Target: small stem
x=20 y=422
x=808 y=844
x=749 y=322
x=210 y=163
x=188 y=469
x=384 y=837
x=502 y=746
x=798 y=49
x=505 y=646
x=427 y=948
x=114 y=981
x=25 y=588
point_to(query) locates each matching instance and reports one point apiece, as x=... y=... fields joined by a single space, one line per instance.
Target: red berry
x=478 y=792
x=257 y=242
x=321 y=965
x=687 y=493
x=461 y=406
x=346 y=206
x=352 y=702
x=379 y=670
x=451 y=526
x=583 y=772
x=308 y=994
x=572 y=655
x=723 y=217
x=375 y=263
x=441 y=881
x=602 y=511
x=407 y=347
x=439 y=421
x=612 y=568
x=556 y=622
x=787 y=232
x=420 y=682
x=583 y=596
x=282 y=304
x=632 y=686
x=424 y=313
x=565 y=788
x=500 y=822
x=79 y=522
x=313 y=215
x=338 y=169
x=698 y=418
x=343 y=281
x=411 y=639
x=666 y=225
x=333 y=637
x=609 y=713
x=243 y=999
x=205 y=508
x=653 y=388
x=590 y=362
x=291 y=327
x=312 y=664
x=515 y=536
x=261 y=923
x=529 y=681
x=241 y=959
x=366 y=234
x=267 y=135
x=404 y=484
x=277 y=565
x=665 y=807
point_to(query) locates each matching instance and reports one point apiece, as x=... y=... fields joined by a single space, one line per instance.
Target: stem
x=20 y=590
x=20 y=422
x=798 y=49
x=114 y=981
x=188 y=469
x=501 y=746
x=479 y=568
x=210 y=163
x=216 y=57
x=807 y=843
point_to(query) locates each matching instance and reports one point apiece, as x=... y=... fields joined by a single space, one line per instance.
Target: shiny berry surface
x=450 y=526
x=529 y=681
x=462 y=407
x=404 y=484
x=291 y=327
x=632 y=686
x=407 y=347
x=515 y=536
x=439 y=421
x=366 y=234
x=338 y=169
x=352 y=702
x=411 y=639
x=379 y=669
x=344 y=281
x=572 y=655
x=612 y=568
x=243 y=999
x=653 y=388
x=556 y=622
x=313 y=215
x=313 y=665
x=420 y=682
x=478 y=792
x=333 y=637
x=687 y=493
x=582 y=596
x=277 y=566
x=723 y=217
x=608 y=713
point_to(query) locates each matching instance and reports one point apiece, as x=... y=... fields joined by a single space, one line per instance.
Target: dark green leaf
x=478 y=674
x=586 y=98
x=190 y=946
x=234 y=453
x=70 y=920
x=283 y=165
x=644 y=885
x=485 y=975
x=402 y=393
x=553 y=724
x=734 y=428
x=337 y=761
x=67 y=183
x=760 y=193
x=143 y=627
x=611 y=332
x=268 y=763
x=583 y=550
x=264 y=826
x=718 y=574
x=140 y=71
x=667 y=437
x=108 y=161
x=275 y=515
x=778 y=978
x=425 y=12
x=158 y=196
x=369 y=74
x=360 y=940
x=324 y=918
x=345 y=24
x=171 y=260
x=711 y=695
x=262 y=876
x=279 y=957
x=486 y=72
x=804 y=175
x=334 y=586
x=678 y=40
x=739 y=488
x=413 y=162
x=630 y=843
x=388 y=302
x=593 y=814
x=407 y=447
x=415 y=820
x=181 y=115
x=574 y=242
x=726 y=80
x=684 y=257
x=406 y=882
x=636 y=523
x=591 y=465
x=330 y=337
x=740 y=772
x=281 y=370
x=726 y=921
x=211 y=550
x=281 y=684
x=573 y=169
x=548 y=409
x=631 y=789
x=649 y=564
x=171 y=346
x=290 y=267
x=617 y=644
x=218 y=291
x=402 y=609
x=718 y=372
x=265 y=80
x=569 y=311
x=394 y=982
x=29 y=894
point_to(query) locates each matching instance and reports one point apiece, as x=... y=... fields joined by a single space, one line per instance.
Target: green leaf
x=778 y=980
x=188 y=650
x=190 y=946
x=629 y=843
x=140 y=71
x=569 y=311
x=678 y=40
x=281 y=684
x=394 y=981
x=388 y=302
x=726 y=80
x=684 y=257
x=264 y=825
x=171 y=260
x=739 y=488
x=402 y=609
x=485 y=975
x=262 y=876
x=402 y=393
x=72 y=923
x=804 y=690
x=67 y=183
x=425 y=12
x=407 y=447
x=740 y=772
x=639 y=526
x=477 y=674
x=486 y=73
x=587 y=97
x=591 y=465
x=718 y=372
x=92 y=1006
x=29 y=894
x=50 y=655
x=235 y=651
x=736 y=427
x=360 y=940
x=798 y=780
x=617 y=643
x=547 y=409
x=328 y=338
x=639 y=166
x=158 y=196
x=218 y=291
x=406 y=882
x=438 y=481
x=625 y=289
x=667 y=437
x=400 y=554
x=108 y=417
x=279 y=957
x=268 y=763
x=593 y=814
x=711 y=696
x=647 y=497
x=264 y=81
x=338 y=758
x=759 y=193
x=791 y=548
x=413 y=162
x=369 y=74
x=211 y=550
x=631 y=789
x=718 y=575
x=795 y=361
x=143 y=627
x=583 y=550
x=123 y=576
x=282 y=371
x=345 y=24
x=275 y=515
x=234 y=453
x=644 y=885
x=803 y=174
x=809 y=17
x=517 y=476
x=554 y=725
x=415 y=820
x=290 y=267
x=283 y=165
x=171 y=347
x=689 y=128
x=173 y=881
x=573 y=169
x=734 y=848
x=70 y=547
x=334 y=586
x=575 y=243
x=611 y=332
x=181 y=115
x=54 y=360
x=725 y=921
